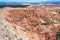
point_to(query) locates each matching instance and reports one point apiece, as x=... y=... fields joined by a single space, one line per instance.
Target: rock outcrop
x=38 y=23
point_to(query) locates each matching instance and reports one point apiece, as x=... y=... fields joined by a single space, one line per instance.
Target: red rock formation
x=41 y=23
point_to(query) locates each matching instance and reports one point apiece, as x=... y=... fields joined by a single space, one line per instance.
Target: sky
x=27 y=0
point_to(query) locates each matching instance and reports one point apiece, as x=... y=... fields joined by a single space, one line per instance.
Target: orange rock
x=35 y=20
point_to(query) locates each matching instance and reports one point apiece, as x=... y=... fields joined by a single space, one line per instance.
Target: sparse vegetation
x=1 y=6
x=59 y=12
x=58 y=36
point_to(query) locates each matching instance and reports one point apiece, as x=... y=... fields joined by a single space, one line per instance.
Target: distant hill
x=19 y=3
x=24 y=4
x=9 y=3
x=52 y=2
